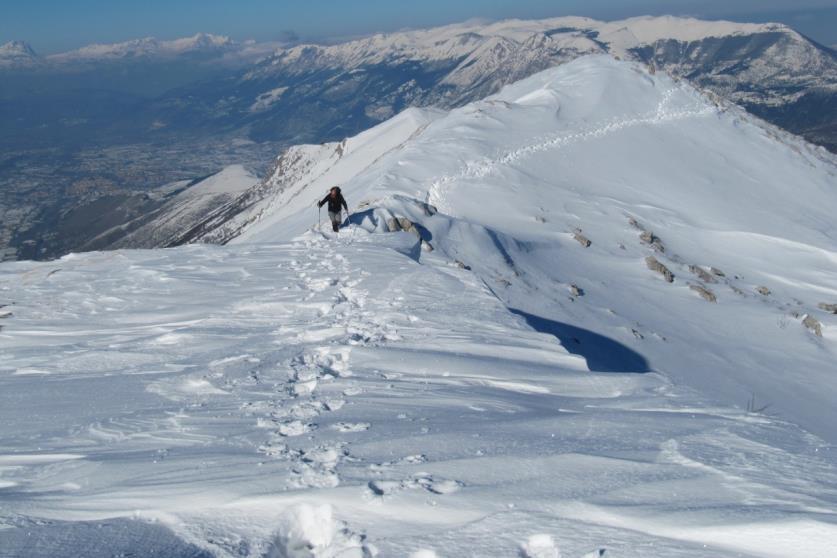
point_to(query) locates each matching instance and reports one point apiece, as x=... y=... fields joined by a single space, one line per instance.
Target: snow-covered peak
x=648 y=29
x=606 y=150
x=18 y=54
x=200 y=41
x=17 y=48
x=147 y=47
x=135 y=48
x=557 y=315
x=463 y=39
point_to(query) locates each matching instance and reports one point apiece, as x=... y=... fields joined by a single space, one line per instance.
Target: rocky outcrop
x=702 y=274
x=813 y=325
x=830 y=308
x=705 y=293
x=581 y=239
x=654 y=265
x=652 y=240
x=764 y=291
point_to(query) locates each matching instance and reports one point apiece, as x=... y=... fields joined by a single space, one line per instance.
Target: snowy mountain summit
x=16 y=54
x=147 y=47
x=586 y=316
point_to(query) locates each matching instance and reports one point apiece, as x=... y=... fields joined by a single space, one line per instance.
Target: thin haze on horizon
x=55 y=25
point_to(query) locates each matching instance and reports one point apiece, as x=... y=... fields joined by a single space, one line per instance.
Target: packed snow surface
x=516 y=391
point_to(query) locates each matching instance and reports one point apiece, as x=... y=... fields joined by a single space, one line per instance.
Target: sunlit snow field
x=299 y=393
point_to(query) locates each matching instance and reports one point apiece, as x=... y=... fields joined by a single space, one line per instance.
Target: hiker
x=335 y=200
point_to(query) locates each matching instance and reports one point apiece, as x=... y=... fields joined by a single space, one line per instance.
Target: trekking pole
x=319 y=217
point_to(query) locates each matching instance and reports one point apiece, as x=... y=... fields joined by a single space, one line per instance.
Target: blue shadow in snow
x=602 y=353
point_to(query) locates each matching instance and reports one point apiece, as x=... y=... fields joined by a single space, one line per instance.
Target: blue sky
x=55 y=25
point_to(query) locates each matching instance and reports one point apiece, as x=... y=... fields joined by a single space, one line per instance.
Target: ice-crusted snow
x=298 y=393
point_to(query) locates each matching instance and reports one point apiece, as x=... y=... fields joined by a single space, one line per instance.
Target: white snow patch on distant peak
x=231 y=179
x=266 y=99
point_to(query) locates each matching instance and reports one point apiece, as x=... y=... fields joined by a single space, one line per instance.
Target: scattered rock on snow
x=716 y=271
x=576 y=290
x=652 y=240
x=702 y=274
x=830 y=308
x=654 y=265
x=764 y=291
x=813 y=324
x=583 y=240
x=705 y=293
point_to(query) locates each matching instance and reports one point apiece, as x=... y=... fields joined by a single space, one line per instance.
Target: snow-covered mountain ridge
x=322 y=93
x=755 y=64
x=145 y=47
x=481 y=364
x=18 y=54
x=615 y=152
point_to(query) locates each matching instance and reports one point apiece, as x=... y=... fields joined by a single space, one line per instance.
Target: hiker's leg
x=335 y=221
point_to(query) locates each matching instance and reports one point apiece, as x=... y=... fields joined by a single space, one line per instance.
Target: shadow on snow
x=602 y=353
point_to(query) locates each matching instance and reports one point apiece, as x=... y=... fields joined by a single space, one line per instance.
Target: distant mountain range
x=20 y=55
x=770 y=69
x=176 y=96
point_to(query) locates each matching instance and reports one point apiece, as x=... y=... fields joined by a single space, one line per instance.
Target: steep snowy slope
x=607 y=149
x=179 y=215
x=337 y=397
x=302 y=394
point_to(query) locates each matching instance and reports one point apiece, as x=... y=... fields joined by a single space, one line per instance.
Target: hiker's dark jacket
x=334 y=203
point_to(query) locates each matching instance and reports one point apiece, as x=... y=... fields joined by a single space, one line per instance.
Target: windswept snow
x=507 y=393
x=597 y=145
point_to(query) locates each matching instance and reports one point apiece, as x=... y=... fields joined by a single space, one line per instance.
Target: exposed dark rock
x=649 y=238
x=702 y=274
x=655 y=265
x=583 y=240
x=764 y=291
x=717 y=272
x=576 y=290
x=705 y=293
x=831 y=308
x=813 y=325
